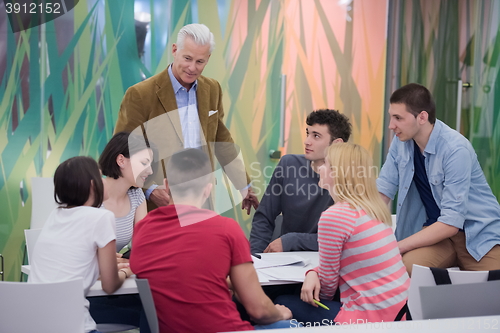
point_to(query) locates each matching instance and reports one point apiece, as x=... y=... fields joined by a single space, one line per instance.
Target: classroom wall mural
x=61 y=83
x=442 y=42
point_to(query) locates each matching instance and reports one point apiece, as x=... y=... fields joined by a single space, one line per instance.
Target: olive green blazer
x=150 y=103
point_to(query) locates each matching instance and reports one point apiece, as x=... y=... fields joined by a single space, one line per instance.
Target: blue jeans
x=278 y=324
x=305 y=313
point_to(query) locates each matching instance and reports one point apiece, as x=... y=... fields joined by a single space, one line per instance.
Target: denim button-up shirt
x=457 y=183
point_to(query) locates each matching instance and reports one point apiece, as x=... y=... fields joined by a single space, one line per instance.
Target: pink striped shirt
x=361 y=256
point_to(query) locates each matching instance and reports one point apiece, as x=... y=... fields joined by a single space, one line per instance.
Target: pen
x=321 y=304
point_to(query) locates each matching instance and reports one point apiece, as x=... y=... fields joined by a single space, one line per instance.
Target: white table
x=130 y=287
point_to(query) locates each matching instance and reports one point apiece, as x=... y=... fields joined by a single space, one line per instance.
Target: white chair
x=148 y=304
x=41 y=307
x=31 y=236
x=393 y=217
x=42 y=201
x=422 y=277
x=461 y=300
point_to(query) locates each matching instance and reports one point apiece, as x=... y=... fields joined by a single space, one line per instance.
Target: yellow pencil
x=321 y=304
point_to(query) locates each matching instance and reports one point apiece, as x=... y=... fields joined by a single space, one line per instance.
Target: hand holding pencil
x=310 y=289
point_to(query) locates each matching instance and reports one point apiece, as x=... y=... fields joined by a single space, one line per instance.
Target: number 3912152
x=33 y=8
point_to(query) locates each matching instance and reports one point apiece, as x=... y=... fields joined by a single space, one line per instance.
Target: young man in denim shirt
x=447 y=214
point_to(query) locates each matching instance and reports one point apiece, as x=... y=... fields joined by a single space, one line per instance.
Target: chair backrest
x=394 y=220
x=31 y=236
x=148 y=304
x=42 y=307
x=422 y=277
x=42 y=200
x=461 y=300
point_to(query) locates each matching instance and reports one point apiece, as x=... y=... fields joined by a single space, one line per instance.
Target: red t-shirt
x=186 y=263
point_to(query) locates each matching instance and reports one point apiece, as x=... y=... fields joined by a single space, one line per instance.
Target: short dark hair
x=73 y=180
x=188 y=171
x=416 y=98
x=122 y=143
x=338 y=124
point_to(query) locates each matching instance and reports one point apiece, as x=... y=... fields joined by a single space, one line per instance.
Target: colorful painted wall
x=440 y=42
x=61 y=83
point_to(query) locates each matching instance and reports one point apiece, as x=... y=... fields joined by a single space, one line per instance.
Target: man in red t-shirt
x=187 y=253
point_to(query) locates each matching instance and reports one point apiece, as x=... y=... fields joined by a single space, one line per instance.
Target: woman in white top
x=78 y=239
x=126 y=163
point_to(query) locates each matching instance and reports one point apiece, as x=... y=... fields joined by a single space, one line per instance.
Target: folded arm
x=431 y=235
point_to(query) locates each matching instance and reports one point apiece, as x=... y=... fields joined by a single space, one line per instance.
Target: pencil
x=321 y=304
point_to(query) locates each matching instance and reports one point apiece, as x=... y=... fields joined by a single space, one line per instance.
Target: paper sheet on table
x=263 y=278
x=277 y=259
x=285 y=273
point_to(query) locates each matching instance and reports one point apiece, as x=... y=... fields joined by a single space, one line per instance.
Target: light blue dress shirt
x=457 y=183
x=187 y=106
x=188 y=112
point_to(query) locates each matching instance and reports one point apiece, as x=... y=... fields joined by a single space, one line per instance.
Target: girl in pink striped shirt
x=358 y=252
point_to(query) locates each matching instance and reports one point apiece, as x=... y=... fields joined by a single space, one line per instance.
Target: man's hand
x=402 y=248
x=160 y=196
x=286 y=313
x=250 y=199
x=310 y=288
x=275 y=246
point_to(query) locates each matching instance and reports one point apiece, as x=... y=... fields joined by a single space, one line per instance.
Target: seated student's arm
x=455 y=178
x=385 y=198
x=311 y=288
x=111 y=278
x=294 y=241
x=335 y=232
x=263 y=223
x=298 y=241
x=259 y=307
x=388 y=178
x=262 y=229
x=140 y=212
x=428 y=236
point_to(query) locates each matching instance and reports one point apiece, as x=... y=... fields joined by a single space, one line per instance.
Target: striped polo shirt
x=360 y=255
